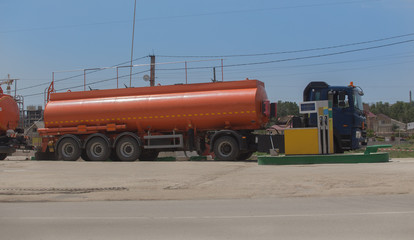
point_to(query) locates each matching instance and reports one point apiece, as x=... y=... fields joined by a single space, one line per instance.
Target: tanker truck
x=137 y=123
x=10 y=136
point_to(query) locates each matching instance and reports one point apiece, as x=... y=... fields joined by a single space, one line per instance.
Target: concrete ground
x=24 y=180
x=357 y=217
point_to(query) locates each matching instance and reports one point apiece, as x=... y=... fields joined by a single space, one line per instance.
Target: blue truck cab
x=349 y=120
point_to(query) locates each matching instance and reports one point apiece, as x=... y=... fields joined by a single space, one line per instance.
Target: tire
x=97 y=149
x=127 y=149
x=69 y=150
x=3 y=156
x=149 y=155
x=113 y=157
x=338 y=146
x=226 y=148
x=244 y=156
x=84 y=156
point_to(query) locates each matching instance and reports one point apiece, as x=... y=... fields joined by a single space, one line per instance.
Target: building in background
x=32 y=120
x=382 y=125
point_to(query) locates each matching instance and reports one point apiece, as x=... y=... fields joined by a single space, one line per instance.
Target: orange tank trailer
x=210 y=106
x=161 y=114
x=9 y=113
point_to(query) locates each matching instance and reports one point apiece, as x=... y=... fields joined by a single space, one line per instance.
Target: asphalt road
x=369 y=217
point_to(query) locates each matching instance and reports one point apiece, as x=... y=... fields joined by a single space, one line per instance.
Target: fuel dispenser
x=312 y=140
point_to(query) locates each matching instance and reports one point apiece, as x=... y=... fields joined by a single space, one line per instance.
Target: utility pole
x=152 y=71
x=132 y=47
x=410 y=97
x=214 y=75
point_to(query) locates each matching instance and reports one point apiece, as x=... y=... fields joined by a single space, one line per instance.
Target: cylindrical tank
x=9 y=113
x=208 y=106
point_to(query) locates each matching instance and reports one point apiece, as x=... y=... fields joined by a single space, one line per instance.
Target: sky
x=285 y=43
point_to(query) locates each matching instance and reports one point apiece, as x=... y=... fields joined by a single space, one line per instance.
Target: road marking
x=210 y=217
x=14 y=170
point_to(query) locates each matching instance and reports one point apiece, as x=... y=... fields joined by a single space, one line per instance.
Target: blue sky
x=41 y=37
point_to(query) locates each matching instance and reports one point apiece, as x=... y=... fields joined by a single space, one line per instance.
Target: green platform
x=369 y=156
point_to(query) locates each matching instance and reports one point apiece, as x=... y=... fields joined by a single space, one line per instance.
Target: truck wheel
x=3 y=156
x=69 y=150
x=244 y=156
x=97 y=149
x=338 y=147
x=113 y=157
x=84 y=156
x=226 y=149
x=127 y=149
x=149 y=155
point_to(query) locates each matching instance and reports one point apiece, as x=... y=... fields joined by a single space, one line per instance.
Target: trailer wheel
x=69 y=150
x=127 y=149
x=84 y=156
x=97 y=149
x=226 y=148
x=3 y=156
x=113 y=157
x=149 y=155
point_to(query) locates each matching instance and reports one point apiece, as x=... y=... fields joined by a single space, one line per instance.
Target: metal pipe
x=222 y=72
x=84 y=80
x=117 y=79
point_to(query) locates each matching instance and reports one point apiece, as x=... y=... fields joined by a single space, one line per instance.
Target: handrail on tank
x=50 y=89
x=130 y=66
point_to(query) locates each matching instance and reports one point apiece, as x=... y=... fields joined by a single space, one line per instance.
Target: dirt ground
x=25 y=180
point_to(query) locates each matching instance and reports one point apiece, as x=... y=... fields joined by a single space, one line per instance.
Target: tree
x=287 y=108
x=284 y=109
x=401 y=111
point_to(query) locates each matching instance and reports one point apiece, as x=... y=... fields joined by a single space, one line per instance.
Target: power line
x=80 y=75
x=190 y=15
x=259 y=10
x=266 y=62
x=293 y=51
x=316 y=64
x=301 y=58
x=104 y=80
x=91 y=83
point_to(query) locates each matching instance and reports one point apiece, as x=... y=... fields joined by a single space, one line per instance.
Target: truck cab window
x=342 y=100
x=358 y=101
x=316 y=95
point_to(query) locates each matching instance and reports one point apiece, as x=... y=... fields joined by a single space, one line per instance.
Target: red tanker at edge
x=9 y=113
x=10 y=136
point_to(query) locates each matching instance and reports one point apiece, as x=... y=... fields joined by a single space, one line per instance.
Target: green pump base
x=369 y=156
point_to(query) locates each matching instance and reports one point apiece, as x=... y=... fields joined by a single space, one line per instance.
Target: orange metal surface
x=207 y=106
x=9 y=113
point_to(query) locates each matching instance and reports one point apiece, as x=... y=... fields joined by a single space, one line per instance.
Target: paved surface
x=373 y=217
x=92 y=181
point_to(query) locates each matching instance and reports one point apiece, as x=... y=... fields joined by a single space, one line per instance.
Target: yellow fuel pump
x=312 y=140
